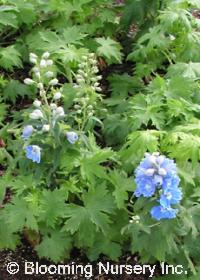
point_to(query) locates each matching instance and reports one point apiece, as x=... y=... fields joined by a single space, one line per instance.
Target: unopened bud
x=28 y=81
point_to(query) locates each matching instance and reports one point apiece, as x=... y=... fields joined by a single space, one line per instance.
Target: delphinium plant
x=87 y=107
x=46 y=119
x=156 y=173
x=62 y=193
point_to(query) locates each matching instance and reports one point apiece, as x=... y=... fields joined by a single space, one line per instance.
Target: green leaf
x=122 y=186
x=10 y=57
x=14 y=89
x=109 y=49
x=7 y=238
x=73 y=35
x=91 y=164
x=104 y=246
x=8 y=19
x=19 y=215
x=188 y=70
x=138 y=143
x=54 y=246
x=122 y=85
x=145 y=109
x=49 y=214
x=97 y=205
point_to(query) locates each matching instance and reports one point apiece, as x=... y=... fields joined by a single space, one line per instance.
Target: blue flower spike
x=33 y=152
x=156 y=172
x=72 y=137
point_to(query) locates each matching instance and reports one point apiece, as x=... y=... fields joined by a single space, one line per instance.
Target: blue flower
x=156 y=172
x=72 y=137
x=27 y=131
x=159 y=212
x=145 y=187
x=170 y=196
x=33 y=153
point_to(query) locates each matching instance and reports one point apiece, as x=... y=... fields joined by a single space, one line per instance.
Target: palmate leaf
x=138 y=143
x=122 y=186
x=14 y=89
x=10 y=57
x=18 y=215
x=104 y=246
x=109 y=49
x=8 y=239
x=52 y=205
x=91 y=164
x=180 y=87
x=8 y=19
x=97 y=205
x=145 y=109
x=121 y=85
x=183 y=147
x=3 y=111
x=187 y=70
x=54 y=246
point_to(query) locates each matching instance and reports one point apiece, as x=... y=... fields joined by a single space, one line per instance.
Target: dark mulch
x=25 y=253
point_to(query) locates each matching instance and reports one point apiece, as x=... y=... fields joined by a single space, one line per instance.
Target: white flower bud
x=33 y=60
x=84 y=57
x=93 y=61
x=40 y=86
x=43 y=63
x=76 y=106
x=33 y=55
x=150 y=172
x=79 y=112
x=91 y=55
x=79 y=76
x=49 y=74
x=152 y=159
x=98 y=89
x=49 y=62
x=90 y=107
x=42 y=92
x=81 y=65
x=37 y=103
x=171 y=37
x=60 y=111
x=81 y=72
x=36 y=114
x=46 y=55
x=53 y=106
x=93 y=79
x=46 y=128
x=53 y=82
x=35 y=69
x=96 y=84
x=37 y=74
x=162 y=172
x=80 y=80
x=57 y=95
x=28 y=81
x=90 y=114
x=104 y=110
x=95 y=69
x=99 y=77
